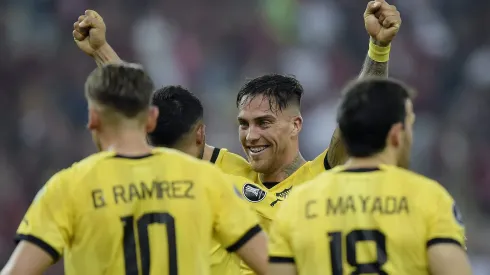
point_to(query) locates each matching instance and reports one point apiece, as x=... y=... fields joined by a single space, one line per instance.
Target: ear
x=151 y=121
x=395 y=136
x=200 y=134
x=297 y=125
x=93 y=119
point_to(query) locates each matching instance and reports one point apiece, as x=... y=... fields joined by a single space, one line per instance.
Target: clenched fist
x=382 y=21
x=89 y=32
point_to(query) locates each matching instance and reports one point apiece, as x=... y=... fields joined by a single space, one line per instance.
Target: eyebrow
x=264 y=117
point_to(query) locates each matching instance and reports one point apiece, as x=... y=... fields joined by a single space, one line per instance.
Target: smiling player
x=269 y=115
x=180 y=126
x=269 y=107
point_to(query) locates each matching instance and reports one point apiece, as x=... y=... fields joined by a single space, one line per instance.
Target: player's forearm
x=337 y=153
x=373 y=68
x=106 y=55
x=375 y=65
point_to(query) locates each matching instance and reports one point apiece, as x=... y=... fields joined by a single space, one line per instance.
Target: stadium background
x=212 y=46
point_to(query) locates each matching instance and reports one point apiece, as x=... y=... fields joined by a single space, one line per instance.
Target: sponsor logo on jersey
x=457 y=214
x=281 y=196
x=284 y=193
x=253 y=193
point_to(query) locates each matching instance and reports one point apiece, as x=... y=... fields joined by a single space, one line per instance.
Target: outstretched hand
x=382 y=21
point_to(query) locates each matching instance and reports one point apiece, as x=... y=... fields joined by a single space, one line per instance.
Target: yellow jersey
x=265 y=201
x=364 y=221
x=110 y=214
x=224 y=262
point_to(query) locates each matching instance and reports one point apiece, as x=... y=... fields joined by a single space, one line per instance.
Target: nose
x=252 y=134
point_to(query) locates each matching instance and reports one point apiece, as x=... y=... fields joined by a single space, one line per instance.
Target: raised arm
x=382 y=22
x=370 y=67
x=89 y=35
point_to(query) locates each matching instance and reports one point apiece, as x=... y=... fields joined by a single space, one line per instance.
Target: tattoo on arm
x=337 y=153
x=373 y=68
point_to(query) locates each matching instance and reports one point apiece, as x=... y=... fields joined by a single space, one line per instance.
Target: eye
x=264 y=123
x=242 y=124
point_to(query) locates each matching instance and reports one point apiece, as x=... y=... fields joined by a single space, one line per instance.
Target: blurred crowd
x=212 y=47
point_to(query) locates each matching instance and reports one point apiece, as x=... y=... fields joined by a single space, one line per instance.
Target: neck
x=369 y=162
x=128 y=143
x=285 y=171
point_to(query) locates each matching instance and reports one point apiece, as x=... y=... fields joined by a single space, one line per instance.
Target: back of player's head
x=125 y=89
x=179 y=111
x=281 y=91
x=369 y=109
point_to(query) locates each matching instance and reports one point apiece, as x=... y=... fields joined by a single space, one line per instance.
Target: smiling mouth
x=257 y=150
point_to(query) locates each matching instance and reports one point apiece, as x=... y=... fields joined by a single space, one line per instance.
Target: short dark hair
x=368 y=110
x=281 y=90
x=124 y=88
x=179 y=110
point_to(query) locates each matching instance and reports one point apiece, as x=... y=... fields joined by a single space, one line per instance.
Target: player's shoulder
x=202 y=172
x=224 y=156
x=176 y=155
x=91 y=161
x=416 y=180
x=231 y=163
x=238 y=179
x=61 y=180
x=84 y=165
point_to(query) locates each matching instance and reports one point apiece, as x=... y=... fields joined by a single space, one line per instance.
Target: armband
x=378 y=53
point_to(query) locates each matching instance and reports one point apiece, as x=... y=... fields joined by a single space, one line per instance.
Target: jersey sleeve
x=445 y=223
x=320 y=163
x=47 y=223
x=280 y=249
x=235 y=223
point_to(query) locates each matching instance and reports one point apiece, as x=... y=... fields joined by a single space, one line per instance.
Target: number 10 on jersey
x=351 y=239
x=129 y=242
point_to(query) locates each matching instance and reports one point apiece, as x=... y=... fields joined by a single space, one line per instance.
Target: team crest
x=457 y=215
x=253 y=193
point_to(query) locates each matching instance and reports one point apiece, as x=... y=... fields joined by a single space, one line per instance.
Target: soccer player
x=370 y=216
x=269 y=112
x=269 y=115
x=89 y=34
x=132 y=209
x=180 y=126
